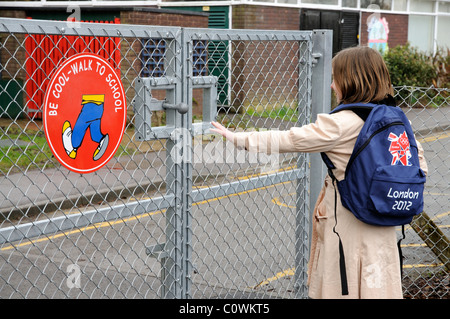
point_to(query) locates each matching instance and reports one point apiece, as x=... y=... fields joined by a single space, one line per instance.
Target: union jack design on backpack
x=399 y=149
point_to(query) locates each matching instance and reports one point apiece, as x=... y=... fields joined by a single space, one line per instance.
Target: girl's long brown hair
x=361 y=75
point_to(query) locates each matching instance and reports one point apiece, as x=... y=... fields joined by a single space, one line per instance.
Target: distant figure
x=378 y=30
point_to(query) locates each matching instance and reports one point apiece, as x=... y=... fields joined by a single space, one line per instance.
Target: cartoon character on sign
x=89 y=118
x=399 y=149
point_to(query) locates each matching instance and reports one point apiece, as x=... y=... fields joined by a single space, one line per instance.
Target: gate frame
x=176 y=253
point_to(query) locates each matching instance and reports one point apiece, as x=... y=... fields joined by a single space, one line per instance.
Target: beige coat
x=371 y=254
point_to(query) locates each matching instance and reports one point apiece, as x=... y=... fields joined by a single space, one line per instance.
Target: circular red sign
x=84 y=113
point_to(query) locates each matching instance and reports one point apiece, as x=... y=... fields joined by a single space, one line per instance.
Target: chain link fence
x=427 y=245
x=178 y=212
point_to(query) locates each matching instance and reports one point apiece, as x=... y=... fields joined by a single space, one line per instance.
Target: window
x=199 y=58
x=443 y=40
x=350 y=3
x=152 y=57
x=153 y=53
x=371 y=4
x=444 y=7
x=420 y=32
x=422 y=5
x=399 y=5
x=335 y=2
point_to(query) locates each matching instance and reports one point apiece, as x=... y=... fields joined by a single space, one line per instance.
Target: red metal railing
x=44 y=53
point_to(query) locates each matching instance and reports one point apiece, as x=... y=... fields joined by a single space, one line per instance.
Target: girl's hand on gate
x=220 y=129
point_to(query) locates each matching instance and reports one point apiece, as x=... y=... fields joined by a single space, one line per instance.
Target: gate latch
x=159 y=105
x=144 y=104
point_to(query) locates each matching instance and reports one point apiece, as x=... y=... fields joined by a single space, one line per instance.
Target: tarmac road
x=235 y=250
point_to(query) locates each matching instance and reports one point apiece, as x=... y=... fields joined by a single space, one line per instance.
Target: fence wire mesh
x=114 y=232
x=247 y=237
x=220 y=223
x=426 y=270
x=105 y=217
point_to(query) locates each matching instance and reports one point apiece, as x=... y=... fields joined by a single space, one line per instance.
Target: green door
x=218 y=51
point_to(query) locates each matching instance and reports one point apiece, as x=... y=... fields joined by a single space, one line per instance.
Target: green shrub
x=409 y=67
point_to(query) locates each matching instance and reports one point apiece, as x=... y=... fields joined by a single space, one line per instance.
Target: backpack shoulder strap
x=363 y=113
x=362 y=110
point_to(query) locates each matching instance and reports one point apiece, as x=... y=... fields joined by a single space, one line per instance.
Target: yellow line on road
x=239 y=193
x=434 y=137
x=123 y=220
x=281 y=274
x=291 y=272
x=422 y=265
x=269 y=172
x=79 y=230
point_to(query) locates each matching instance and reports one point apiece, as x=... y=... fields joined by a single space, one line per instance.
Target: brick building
x=423 y=23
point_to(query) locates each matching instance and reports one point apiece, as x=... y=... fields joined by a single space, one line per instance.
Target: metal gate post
x=209 y=86
x=186 y=184
x=317 y=94
x=321 y=101
x=171 y=253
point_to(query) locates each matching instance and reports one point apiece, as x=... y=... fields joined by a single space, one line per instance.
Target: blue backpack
x=383 y=183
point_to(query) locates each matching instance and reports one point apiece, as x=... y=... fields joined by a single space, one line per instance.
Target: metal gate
x=178 y=212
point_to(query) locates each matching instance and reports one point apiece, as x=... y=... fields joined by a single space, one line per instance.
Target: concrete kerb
x=424 y=123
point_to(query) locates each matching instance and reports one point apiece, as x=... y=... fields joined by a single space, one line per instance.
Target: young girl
x=371 y=253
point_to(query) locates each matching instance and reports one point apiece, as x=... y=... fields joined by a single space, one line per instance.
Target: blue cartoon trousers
x=90 y=117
